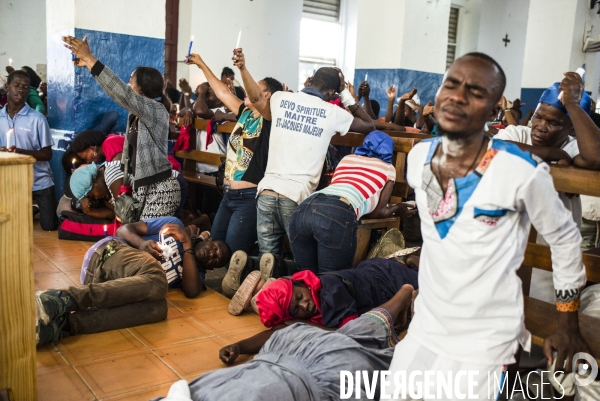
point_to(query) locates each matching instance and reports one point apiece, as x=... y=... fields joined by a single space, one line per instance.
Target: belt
x=271 y=193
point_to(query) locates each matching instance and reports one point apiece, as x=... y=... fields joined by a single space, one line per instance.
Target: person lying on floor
x=303 y=362
x=124 y=285
x=329 y=300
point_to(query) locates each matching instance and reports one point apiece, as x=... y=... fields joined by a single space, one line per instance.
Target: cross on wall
x=506 y=40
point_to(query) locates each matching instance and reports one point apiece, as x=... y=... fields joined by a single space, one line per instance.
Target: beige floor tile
x=48 y=357
x=170 y=331
x=65 y=264
x=207 y=300
x=49 y=241
x=173 y=311
x=62 y=384
x=90 y=347
x=220 y=321
x=44 y=267
x=193 y=357
x=236 y=336
x=111 y=377
x=51 y=281
x=74 y=275
x=142 y=395
x=64 y=251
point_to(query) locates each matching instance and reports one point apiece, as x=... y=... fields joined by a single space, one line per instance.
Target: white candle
x=366 y=76
x=237 y=45
x=162 y=237
x=105 y=230
x=8 y=137
x=10 y=62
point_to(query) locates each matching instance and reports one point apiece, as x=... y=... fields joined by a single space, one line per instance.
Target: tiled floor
x=137 y=363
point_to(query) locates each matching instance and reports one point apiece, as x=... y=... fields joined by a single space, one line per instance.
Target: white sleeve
x=555 y=223
x=511 y=133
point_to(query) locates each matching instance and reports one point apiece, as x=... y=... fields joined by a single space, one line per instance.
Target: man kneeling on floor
x=125 y=280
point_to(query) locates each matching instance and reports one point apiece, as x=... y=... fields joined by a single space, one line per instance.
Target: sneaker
x=241 y=298
x=267 y=264
x=231 y=281
x=51 y=333
x=51 y=305
x=35 y=209
x=253 y=305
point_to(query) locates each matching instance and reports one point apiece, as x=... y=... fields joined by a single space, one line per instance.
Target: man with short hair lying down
x=124 y=286
x=303 y=362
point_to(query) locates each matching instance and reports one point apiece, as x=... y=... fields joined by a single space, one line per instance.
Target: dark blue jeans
x=46 y=201
x=323 y=234
x=235 y=222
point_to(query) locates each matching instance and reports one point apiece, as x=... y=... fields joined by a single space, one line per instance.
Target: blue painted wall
x=75 y=101
x=380 y=79
x=531 y=97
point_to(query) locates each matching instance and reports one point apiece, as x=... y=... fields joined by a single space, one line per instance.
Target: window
x=452 y=36
x=320 y=36
x=326 y=10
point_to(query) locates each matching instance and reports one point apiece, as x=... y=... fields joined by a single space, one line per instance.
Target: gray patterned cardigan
x=151 y=162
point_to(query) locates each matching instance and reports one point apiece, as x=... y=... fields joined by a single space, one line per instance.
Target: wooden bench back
x=541 y=317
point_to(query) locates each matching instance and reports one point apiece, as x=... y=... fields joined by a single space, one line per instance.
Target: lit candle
x=73 y=166
x=366 y=76
x=190 y=48
x=10 y=62
x=237 y=45
x=8 y=136
x=105 y=231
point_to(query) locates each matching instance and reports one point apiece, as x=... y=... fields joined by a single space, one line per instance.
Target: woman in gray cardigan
x=147 y=129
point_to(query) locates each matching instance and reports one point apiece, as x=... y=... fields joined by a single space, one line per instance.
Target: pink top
x=112 y=145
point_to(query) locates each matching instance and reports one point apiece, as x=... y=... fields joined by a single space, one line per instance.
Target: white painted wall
x=349 y=21
x=549 y=40
x=497 y=19
x=425 y=41
x=270 y=37
x=184 y=33
x=131 y=17
x=380 y=33
x=23 y=33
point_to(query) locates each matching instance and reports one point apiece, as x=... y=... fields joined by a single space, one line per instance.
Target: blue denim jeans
x=323 y=234
x=235 y=222
x=273 y=221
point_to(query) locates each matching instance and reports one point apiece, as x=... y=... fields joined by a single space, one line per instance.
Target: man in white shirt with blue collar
x=476 y=198
x=29 y=134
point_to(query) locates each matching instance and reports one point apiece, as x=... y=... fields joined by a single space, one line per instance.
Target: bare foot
x=397 y=307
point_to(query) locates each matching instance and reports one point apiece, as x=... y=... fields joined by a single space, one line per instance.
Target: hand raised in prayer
x=184 y=85
x=230 y=86
x=229 y=353
x=194 y=58
x=503 y=103
x=187 y=117
x=239 y=60
x=351 y=90
x=517 y=104
x=152 y=248
x=428 y=109
x=391 y=92
x=81 y=50
x=572 y=87
x=9 y=69
x=365 y=89
x=409 y=95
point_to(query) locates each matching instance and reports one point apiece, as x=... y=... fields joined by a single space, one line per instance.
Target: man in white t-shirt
x=476 y=199
x=303 y=124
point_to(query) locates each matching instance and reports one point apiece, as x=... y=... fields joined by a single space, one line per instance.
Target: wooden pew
x=540 y=317
x=401 y=148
